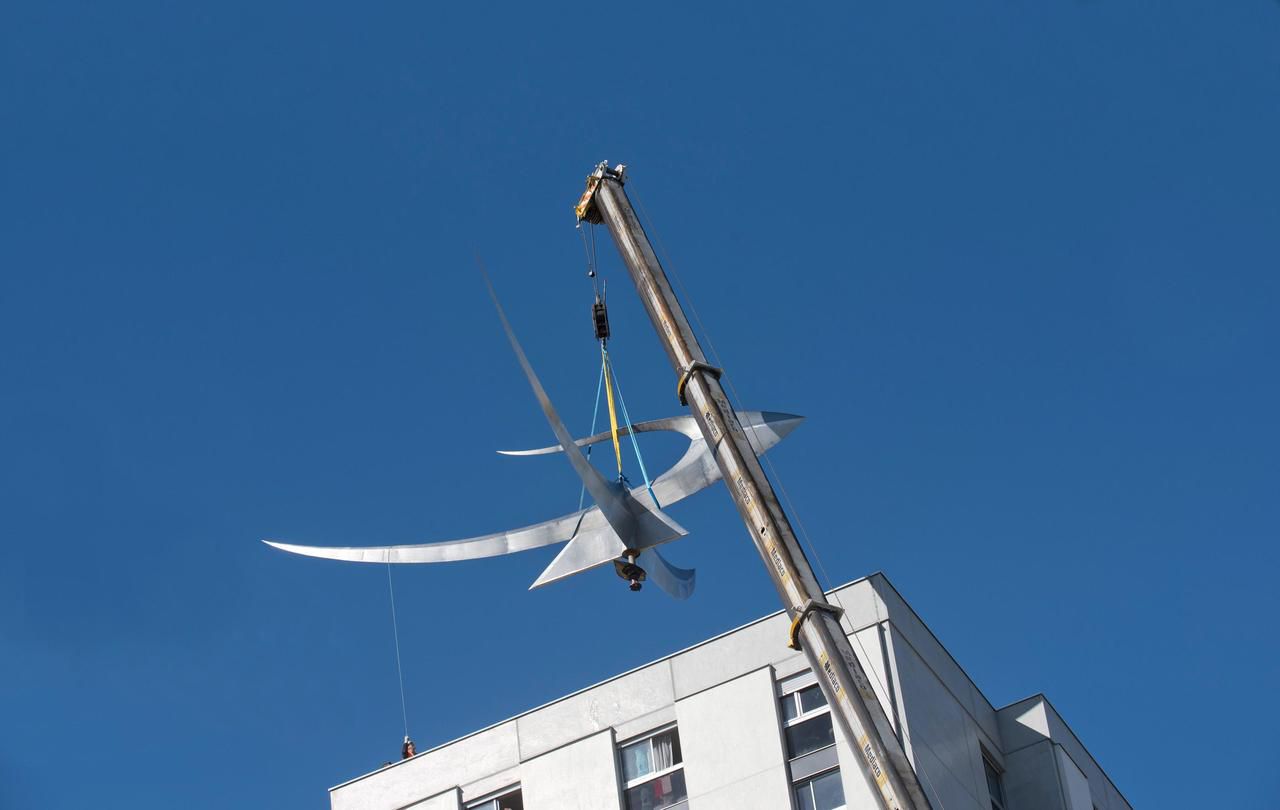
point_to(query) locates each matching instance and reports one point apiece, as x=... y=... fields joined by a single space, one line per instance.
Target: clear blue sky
x=1017 y=263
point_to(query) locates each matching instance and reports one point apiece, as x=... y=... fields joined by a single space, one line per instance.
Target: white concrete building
x=737 y=723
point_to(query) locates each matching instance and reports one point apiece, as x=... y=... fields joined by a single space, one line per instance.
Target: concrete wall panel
x=1074 y=783
x=942 y=738
x=867 y=647
x=1031 y=778
x=579 y=776
x=727 y=657
x=732 y=742
x=861 y=603
x=607 y=705
x=1023 y=723
x=490 y=784
x=449 y=800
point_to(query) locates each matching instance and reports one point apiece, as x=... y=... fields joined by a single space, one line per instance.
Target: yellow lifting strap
x=613 y=414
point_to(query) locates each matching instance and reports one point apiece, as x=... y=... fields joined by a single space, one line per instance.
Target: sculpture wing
x=675 y=582
x=537 y=535
x=695 y=470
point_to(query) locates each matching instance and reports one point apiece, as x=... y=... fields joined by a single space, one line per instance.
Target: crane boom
x=815 y=627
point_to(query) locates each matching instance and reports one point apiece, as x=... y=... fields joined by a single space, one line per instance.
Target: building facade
x=738 y=723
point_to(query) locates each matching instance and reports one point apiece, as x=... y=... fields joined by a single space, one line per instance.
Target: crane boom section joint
x=696 y=365
x=793 y=636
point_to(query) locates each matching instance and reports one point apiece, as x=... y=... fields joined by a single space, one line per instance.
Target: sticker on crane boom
x=873 y=762
x=713 y=425
x=864 y=742
x=752 y=508
x=731 y=419
x=824 y=663
x=776 y=556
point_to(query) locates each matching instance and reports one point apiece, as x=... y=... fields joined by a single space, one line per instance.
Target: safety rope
x=395 y=629
x=582 y=493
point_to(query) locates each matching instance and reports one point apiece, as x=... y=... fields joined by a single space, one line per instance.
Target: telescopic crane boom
x=815 y=624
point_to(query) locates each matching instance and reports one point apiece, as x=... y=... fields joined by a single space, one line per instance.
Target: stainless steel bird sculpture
x=623 y=528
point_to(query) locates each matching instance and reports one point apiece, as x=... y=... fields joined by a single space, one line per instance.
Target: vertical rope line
x=395 y=629
x=591 y=265
x=582 y=492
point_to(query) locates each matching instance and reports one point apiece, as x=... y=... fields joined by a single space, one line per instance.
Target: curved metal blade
x=675 y=424
x=695 y=471
x=675 y=582
x=537 y=535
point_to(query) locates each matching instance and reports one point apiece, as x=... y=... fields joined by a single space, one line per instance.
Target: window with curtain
x=653 y=772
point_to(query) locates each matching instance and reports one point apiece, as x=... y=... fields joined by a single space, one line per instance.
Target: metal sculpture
x=623 y=527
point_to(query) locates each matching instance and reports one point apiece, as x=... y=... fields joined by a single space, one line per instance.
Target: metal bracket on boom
x=586 y=209
x=696 y=365
x=793 y=637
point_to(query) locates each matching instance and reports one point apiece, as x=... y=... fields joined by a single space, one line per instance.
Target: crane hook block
x=600 y=318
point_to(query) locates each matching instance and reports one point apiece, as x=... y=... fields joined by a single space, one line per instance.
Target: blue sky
x=1015 y=261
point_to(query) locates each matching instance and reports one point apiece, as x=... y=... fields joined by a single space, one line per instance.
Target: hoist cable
x=395 y=629
x=582 y=493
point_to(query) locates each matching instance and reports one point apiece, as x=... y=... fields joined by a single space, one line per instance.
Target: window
x=506 y=799
x=823 y=792
x=811 y=741
x=653 y=772
x=807 y=721
x=995 y=783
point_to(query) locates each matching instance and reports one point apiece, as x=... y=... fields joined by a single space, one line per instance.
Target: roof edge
x=610 y=679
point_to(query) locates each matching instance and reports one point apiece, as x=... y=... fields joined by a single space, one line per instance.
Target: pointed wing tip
x=287 y=547
x=792 y=419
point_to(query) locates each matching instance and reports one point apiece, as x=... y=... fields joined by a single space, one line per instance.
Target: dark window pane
x=809 y=736
x=828 y=792
x=993 y=782
x=665 y=791
x=811 y=698
x=789 y=711
x=660 y=750
x=804 y=797
x=514 y=801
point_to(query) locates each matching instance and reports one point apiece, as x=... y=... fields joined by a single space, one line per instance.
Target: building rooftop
x=950 y=730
